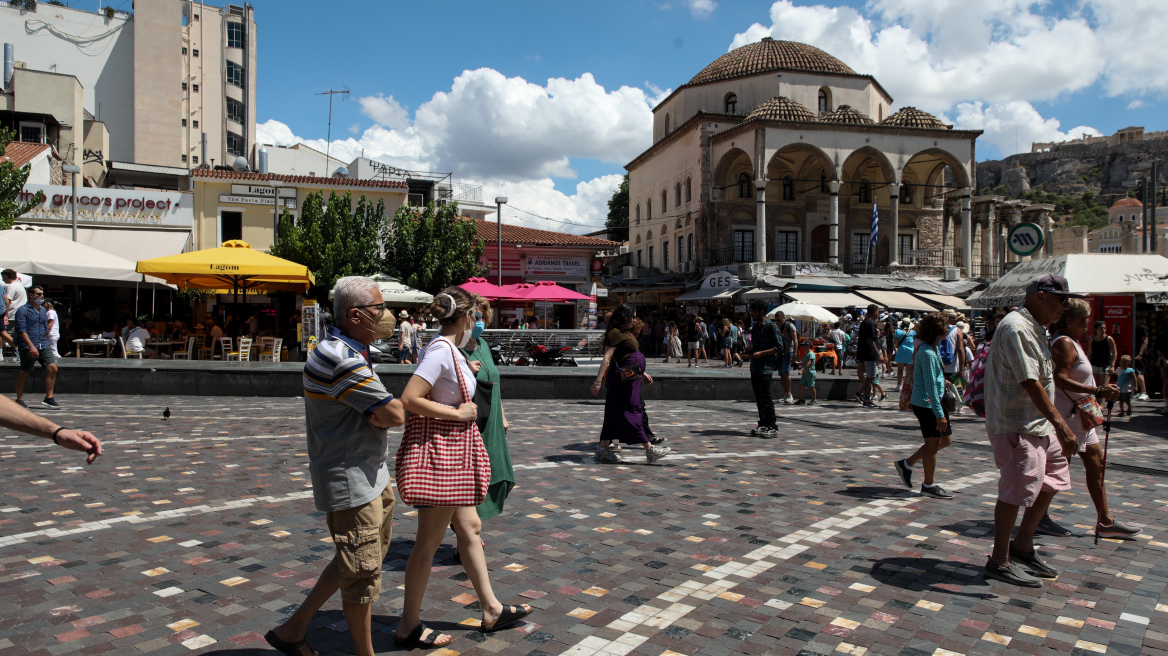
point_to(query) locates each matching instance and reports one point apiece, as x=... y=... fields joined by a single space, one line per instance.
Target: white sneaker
x=790 y=399
x=656 y=453
x=1141 y=397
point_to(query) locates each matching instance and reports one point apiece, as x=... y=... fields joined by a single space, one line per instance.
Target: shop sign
x=109 y=206
x=254 y=200
x=550 y=267
x=1159 y=298
x=270 y=192
x=721 y=280
x=641 y=297
x=597 y=266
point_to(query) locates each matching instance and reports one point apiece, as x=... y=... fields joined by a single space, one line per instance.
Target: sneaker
x=21 y=403
x=800 y=402
x=812 y=402
x=937 y=492
x=656 y=453
x=786 y=400
x=871 y=404
x=768 y=433
x=1141 y=397
x=859 y=398
x=1011 y=574
x=607 y=455
x=1033 y=562
x=50 y=403
x=905 y=472
x=1117 y=530
x=1047 y=526
x=790 y=398
x=756 y=431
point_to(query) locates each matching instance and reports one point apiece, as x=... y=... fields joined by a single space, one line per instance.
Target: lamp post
x=73 y=170
x=500 y=201
x=1148 y=193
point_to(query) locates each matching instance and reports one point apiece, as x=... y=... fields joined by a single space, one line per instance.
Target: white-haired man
x=347 y=413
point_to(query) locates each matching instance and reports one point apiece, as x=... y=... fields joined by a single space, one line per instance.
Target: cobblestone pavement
x=198 y=534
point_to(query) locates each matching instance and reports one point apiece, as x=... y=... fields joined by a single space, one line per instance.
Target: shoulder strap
x=458 y=370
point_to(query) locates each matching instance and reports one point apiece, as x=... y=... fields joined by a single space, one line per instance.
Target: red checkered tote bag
x=443 y=463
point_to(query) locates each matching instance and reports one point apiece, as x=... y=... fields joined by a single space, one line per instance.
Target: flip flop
x=414 y=639
x=508 y=618
x=289 y=648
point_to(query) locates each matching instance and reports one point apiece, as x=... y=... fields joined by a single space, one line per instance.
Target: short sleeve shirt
x=625 y=345
x=866 y=351
x=346 y=454
x=436 y=367
x=19 y=298
x=1018 y=353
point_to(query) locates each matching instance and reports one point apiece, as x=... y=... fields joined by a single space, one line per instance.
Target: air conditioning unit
x=630 y=273
x=951 y=273
x=786 y=270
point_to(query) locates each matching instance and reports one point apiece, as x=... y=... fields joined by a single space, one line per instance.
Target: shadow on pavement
x=874 y=492
x=971 y=528
x=913 y=574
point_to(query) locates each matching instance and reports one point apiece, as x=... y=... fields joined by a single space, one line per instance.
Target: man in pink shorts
x=1030 y=438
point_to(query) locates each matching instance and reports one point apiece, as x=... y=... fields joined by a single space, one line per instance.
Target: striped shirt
x=346 y=454
x=1018 y=353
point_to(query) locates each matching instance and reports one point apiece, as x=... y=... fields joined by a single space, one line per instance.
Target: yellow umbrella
x=233 y=267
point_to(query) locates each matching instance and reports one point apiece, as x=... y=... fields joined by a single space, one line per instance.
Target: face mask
x=477 y=330
x=39 y=301
x=465 y=338
x=381 y=327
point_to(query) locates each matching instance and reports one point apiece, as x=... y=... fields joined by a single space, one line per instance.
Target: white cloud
x=355 y=128
x=588 y=206
x=385 y=111
x=659 y=94
x=1137 y=104
x=702 y=8
x=1012 y=126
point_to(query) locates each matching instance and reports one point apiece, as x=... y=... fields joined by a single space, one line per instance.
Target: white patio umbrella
x=42 y=254
x=1086 y=273
x=805 y=312
x=395 y=293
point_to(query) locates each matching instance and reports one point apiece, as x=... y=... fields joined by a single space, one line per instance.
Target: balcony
x=460 y=192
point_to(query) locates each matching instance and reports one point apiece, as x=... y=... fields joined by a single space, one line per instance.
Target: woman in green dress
x=495 y=432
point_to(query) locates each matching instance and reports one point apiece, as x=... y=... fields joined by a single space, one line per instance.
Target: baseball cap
x=1051 y=284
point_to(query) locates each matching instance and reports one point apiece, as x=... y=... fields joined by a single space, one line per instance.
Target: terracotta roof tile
x=22 y=152
x=847 y=116
x=513 y=234
x=911 y=117
x=297 y=179
x=782 y=108
x=1126 y=202
x=769 y=55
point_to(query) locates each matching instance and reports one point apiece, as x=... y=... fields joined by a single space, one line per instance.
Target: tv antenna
x=329 y=138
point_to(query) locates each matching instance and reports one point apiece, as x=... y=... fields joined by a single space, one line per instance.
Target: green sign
x=1025 y=239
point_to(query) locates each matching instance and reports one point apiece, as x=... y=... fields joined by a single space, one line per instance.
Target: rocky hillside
x=1073 y=170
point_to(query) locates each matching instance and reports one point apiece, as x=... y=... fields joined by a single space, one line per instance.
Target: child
x=807 y=380
x=1127 y=385
x=876 y=387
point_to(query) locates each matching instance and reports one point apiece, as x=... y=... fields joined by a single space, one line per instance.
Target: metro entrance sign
x=1024 y=239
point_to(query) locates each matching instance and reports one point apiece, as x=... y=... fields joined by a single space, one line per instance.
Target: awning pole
x=135 y=300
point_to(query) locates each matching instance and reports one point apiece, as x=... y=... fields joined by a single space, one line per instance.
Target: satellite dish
x=240 y=164
x=341 y=172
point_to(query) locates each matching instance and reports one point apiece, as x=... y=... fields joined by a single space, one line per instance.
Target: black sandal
x=657 y=440
x=414 y=639
x=508 y=618
x=289 y=648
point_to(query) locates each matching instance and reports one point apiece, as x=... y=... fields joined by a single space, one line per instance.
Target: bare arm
x=23 y=420
x=608 y=351
x=1113 y=350
x=413 y=399
x=1039 y=398
x=389 y=415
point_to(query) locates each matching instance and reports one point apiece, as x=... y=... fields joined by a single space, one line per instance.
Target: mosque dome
x=768 y=56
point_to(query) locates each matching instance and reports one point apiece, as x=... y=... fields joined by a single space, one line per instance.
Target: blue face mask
x=477 y=330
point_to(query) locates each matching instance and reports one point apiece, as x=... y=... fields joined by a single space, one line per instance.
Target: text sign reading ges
x=720 y=280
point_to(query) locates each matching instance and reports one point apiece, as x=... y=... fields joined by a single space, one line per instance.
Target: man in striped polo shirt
x=347 y=413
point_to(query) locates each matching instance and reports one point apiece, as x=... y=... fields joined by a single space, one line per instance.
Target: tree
x=432 y=248
x=618 y=212
x=333 y=240
x=12 y=181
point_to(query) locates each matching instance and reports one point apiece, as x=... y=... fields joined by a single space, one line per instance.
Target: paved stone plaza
x=197 y=535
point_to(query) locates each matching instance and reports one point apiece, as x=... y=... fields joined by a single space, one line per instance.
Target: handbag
x=1090 y=414
x=484 y=392
x=442 y=463
x=950 y=398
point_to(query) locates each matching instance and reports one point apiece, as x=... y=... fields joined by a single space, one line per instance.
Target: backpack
x=945 y=348
x=975 y=389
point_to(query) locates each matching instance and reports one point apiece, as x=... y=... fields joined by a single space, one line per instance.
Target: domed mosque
x=778 y=152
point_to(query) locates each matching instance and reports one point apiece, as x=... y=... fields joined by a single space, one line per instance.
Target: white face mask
x=465 y=336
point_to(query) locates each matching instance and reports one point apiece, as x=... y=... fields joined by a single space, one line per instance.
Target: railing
x=986 y=271
x=459 y=192
x=584 y=343
x=933 y=257
x=796 y=253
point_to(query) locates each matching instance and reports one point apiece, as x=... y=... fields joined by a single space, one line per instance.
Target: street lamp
x=1149 y=200
x=73 y=170
x=500 y=201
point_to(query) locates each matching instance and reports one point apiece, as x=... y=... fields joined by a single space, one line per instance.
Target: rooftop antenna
x=329 y=138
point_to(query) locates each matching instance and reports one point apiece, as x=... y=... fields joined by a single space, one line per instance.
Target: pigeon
x=166 y=414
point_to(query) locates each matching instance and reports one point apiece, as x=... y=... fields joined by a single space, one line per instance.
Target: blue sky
x=545 y=101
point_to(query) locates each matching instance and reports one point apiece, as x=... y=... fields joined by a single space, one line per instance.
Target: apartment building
x=173 y=82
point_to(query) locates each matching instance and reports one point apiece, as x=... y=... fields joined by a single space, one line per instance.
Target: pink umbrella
x=545 y=290
x=485 y=289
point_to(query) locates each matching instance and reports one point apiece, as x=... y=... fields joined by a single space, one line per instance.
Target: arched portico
x=870 y=180
x=932 y=167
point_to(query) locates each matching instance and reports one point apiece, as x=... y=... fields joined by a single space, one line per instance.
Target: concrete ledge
x=266 y=379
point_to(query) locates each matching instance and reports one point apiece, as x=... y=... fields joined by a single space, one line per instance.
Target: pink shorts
x=1028 y=465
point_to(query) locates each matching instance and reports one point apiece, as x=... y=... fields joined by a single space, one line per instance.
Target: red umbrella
x=545 y=290
x=485 y=289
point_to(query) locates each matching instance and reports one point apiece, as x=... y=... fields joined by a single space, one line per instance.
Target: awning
x=134 y=244
x=829 y=299
x=896 y=300
x=764 y=292
x=946 y=301
x=708 y=294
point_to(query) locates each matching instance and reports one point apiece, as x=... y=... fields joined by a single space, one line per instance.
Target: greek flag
x=875 y=230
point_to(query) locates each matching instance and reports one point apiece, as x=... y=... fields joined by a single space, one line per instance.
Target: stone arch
x=649 y=236
x=734 y=162
x=730 y=103
x=638 y=242
x=677 y=194
x=929 y=164
x=824 y=104
x=788 y=218
x=677 y=223
x=664 y=230
x=803 y=162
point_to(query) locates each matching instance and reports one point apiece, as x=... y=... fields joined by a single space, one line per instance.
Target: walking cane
x=1103 y=474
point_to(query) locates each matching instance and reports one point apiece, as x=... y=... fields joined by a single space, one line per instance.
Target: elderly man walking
x=1031 y=440
x=347 y=411
x=32 y=336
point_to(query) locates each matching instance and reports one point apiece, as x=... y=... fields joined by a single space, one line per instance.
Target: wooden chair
x=126 y=354
x=244 y=352
x=270 y=352
x=185 y=355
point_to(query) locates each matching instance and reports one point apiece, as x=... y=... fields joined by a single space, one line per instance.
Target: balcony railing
x=932 y=257
x=461 y=193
